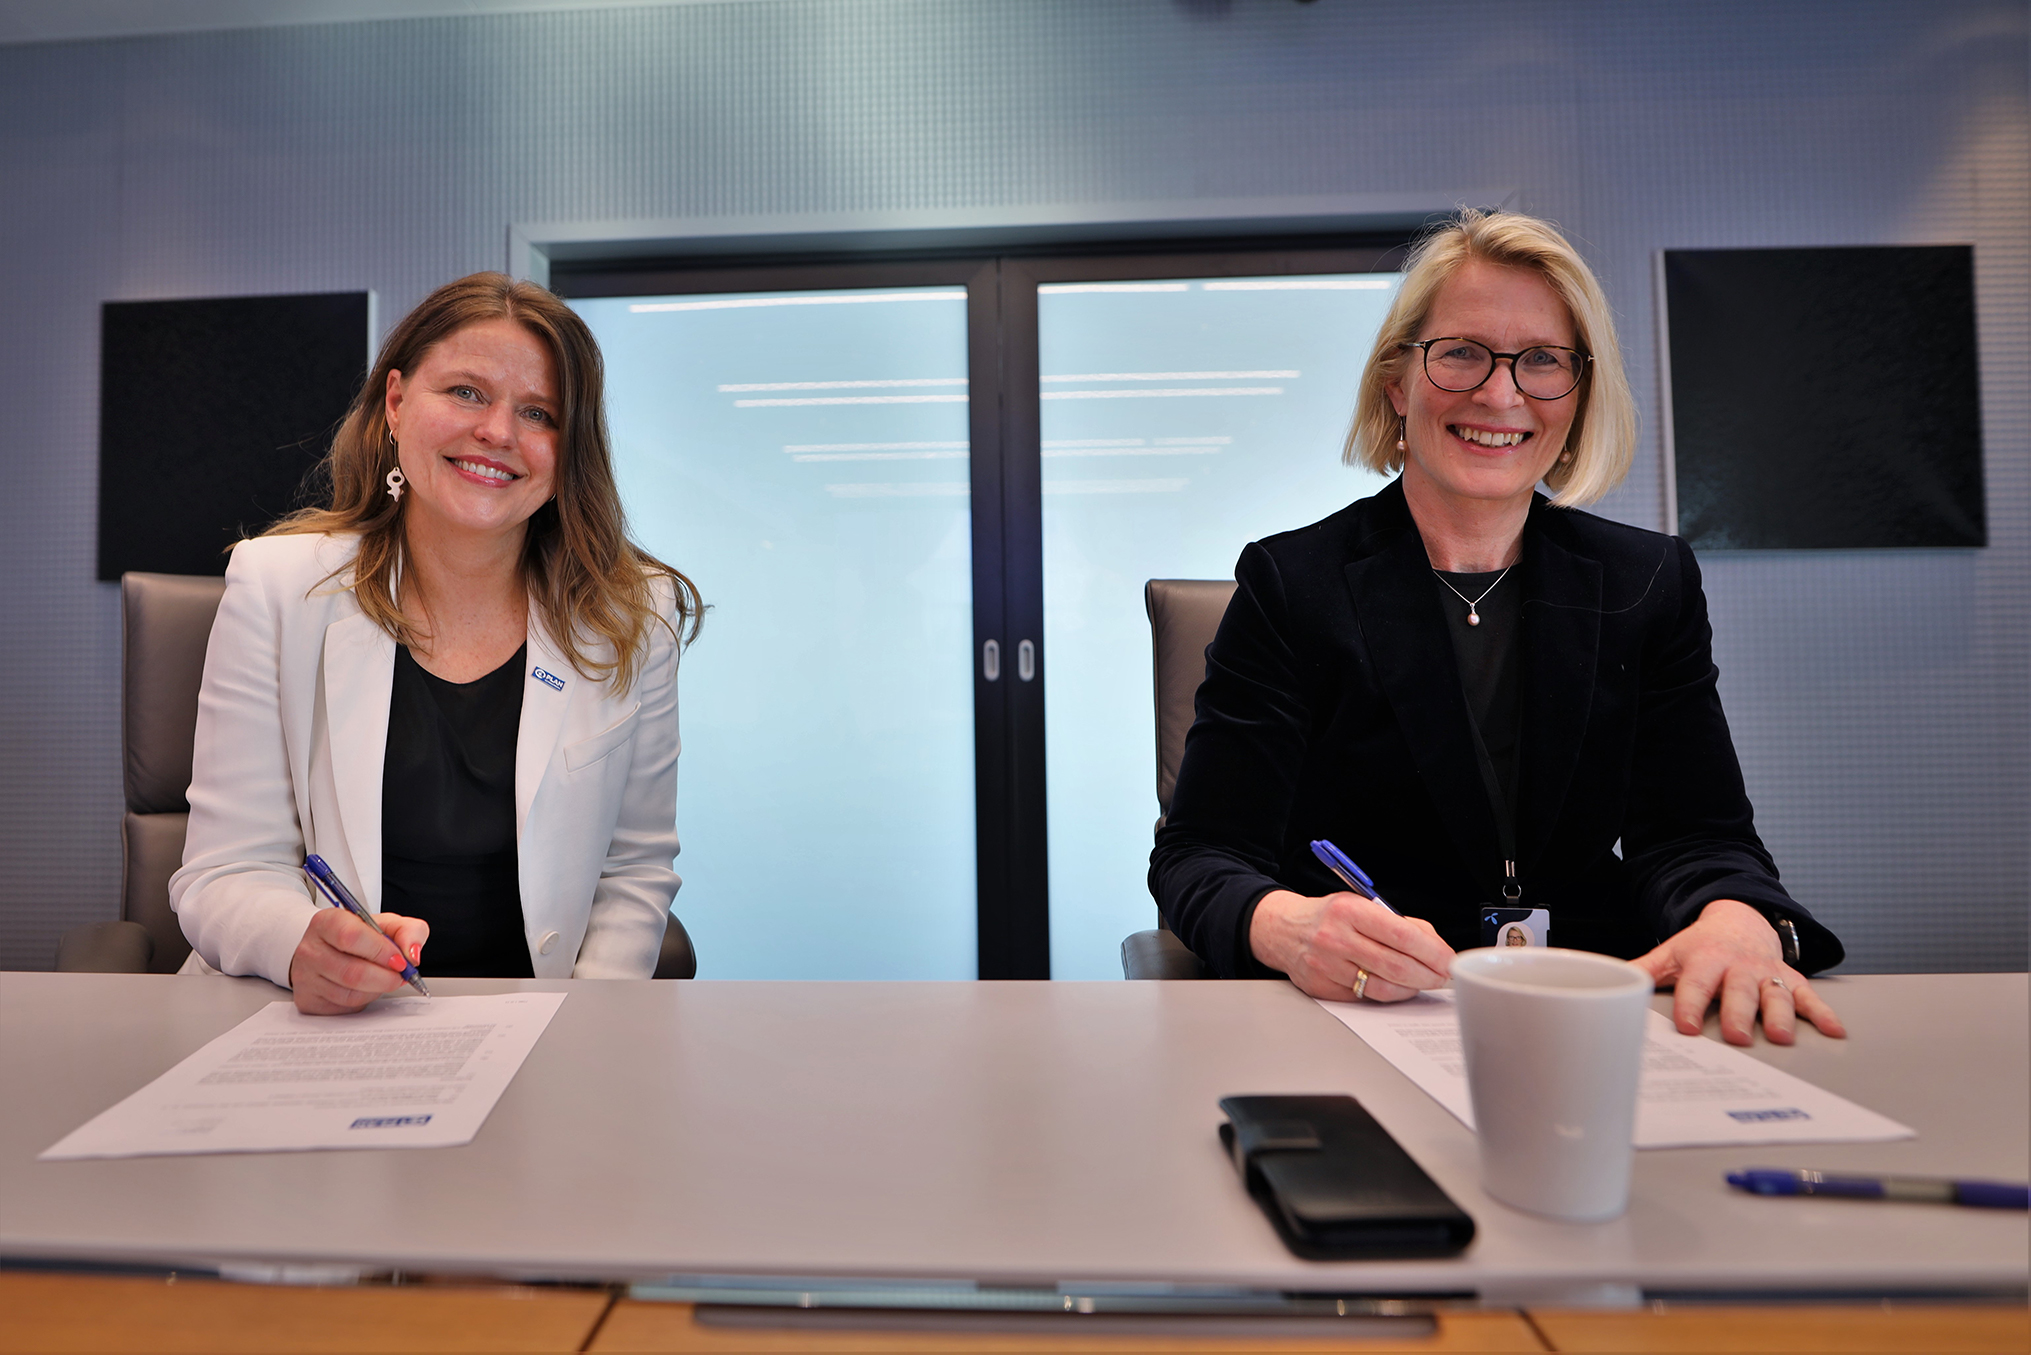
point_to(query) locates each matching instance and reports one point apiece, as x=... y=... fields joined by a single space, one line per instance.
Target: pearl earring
x=1399 y=432
x=395 y=480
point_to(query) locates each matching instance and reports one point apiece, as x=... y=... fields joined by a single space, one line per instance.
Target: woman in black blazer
x=1483 y=696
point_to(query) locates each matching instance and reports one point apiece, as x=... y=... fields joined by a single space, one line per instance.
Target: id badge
x=1515 y=926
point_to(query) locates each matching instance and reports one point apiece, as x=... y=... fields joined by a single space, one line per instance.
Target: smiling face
x=476 y=429
x=1493 y=443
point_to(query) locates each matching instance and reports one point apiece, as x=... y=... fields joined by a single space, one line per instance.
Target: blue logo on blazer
x=550 y=680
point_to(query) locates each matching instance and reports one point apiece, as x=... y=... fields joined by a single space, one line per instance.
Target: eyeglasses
x=1544 y=372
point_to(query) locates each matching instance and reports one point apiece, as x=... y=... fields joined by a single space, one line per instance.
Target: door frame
x=1012 y=866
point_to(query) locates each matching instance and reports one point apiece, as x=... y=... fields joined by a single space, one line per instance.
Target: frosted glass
x=803 y=457
x=1182 y=419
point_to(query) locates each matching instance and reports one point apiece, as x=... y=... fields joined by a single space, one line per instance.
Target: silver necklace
x=1473 y=604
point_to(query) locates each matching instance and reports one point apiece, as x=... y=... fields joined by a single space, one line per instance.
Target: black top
x=1486 y=653
x=1332 y=708
x=448 y=817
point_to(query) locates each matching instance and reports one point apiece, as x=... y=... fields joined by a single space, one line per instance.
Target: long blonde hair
x=593 y=588
x=1602 y=439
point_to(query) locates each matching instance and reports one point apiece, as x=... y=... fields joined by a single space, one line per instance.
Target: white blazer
x=292 y=730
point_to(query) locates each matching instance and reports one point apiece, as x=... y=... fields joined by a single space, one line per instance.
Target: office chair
x=165 y=626
x=165 y=622
x=1183 y=614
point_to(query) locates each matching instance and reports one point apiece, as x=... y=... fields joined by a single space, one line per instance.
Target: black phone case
x=1335 y=1184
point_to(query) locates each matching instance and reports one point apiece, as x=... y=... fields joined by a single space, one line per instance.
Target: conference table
x=756 y=1161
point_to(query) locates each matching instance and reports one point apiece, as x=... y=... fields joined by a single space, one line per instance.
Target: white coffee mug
x=1554 y=1045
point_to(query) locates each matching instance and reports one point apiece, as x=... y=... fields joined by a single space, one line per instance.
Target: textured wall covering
x=1881 y=701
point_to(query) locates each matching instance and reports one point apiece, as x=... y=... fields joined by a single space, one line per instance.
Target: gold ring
x=1360 y=982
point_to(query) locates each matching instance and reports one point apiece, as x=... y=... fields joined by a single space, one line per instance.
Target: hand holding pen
x=1347 y=947
x=349 y=956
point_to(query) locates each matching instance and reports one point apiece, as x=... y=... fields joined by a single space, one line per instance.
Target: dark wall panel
x=1825 y=398
x=211 y=412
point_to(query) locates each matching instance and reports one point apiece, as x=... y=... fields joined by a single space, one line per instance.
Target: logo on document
x=388 y=1121
x=550 y=680
x=1760 y=1116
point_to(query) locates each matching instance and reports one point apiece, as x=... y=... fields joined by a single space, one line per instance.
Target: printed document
x=407 y=1072
x=1694 y=1091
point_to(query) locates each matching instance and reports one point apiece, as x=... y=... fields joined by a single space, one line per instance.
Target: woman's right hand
x=1323 y=944
x=342 y=964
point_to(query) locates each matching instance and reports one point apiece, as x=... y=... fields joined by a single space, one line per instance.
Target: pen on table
x=334 y=889
x=1343 y=866
x=1917 y=1189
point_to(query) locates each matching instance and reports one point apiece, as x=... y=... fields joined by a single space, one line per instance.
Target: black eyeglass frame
x=1586 y=362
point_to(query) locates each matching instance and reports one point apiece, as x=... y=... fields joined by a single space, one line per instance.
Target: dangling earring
x=1399 y=433
x=395 y=479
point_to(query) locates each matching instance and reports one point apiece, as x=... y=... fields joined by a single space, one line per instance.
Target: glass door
x=1180 y=418
x=805 y=457
x=922 y=499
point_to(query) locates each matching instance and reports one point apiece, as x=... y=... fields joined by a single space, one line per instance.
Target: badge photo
x=1515 y=927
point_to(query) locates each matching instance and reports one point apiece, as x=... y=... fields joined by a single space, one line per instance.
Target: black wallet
x=1335 y=1184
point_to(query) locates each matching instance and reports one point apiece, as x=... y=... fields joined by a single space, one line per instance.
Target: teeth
x=1490 y=439
x=477 y=469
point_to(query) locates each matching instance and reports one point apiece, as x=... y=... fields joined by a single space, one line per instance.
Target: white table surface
x=1030 y=1134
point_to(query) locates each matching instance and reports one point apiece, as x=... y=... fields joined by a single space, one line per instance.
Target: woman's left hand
x=1732 y=952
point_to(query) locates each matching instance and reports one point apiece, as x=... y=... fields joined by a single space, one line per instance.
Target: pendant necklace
x=1473 y=604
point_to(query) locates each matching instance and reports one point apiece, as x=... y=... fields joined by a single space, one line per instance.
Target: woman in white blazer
x=457 y=684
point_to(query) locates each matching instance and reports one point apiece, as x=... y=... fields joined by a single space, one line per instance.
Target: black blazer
x=1332 y=708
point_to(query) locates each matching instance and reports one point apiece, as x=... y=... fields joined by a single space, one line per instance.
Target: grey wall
x=1880 y=701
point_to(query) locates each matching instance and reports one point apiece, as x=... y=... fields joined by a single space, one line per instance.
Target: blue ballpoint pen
x=1918 y=1189
x=1343 y=866
x=341 y=897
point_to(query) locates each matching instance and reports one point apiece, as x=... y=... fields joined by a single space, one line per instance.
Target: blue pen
x=341 y=897
x=1918 y=1189
x=1343 y=866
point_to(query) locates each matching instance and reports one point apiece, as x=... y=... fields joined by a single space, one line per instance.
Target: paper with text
x=407 y=1072
x=1694 y=1091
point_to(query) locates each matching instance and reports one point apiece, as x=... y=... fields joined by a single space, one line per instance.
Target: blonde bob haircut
x=1603 y=436
x=593 y=588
